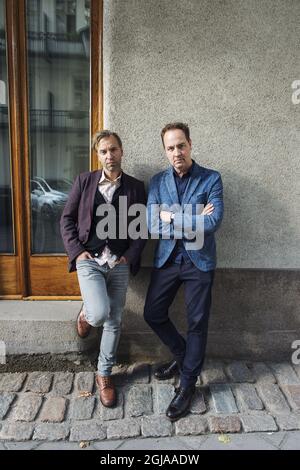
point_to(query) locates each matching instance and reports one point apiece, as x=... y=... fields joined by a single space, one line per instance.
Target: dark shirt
x=179 y=254
x=95 y=245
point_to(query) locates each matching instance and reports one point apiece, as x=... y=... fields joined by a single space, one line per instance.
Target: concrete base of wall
x=39 y=327
x=255 y=315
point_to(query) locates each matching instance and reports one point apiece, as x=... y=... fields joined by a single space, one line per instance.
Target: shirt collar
x=188 y=174
x=104 y=178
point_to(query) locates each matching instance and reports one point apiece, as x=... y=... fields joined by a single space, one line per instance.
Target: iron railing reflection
x=52 y=120
x=59 y=119
x=56 y=44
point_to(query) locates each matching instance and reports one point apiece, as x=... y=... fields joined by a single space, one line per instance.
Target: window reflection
x=6 y=221
x=59 y=95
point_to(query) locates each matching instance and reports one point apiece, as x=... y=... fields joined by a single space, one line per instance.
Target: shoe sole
x=175 y=374
x=179 y=417
x=110 y=405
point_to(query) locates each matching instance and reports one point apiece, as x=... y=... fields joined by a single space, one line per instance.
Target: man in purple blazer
x=102 y=259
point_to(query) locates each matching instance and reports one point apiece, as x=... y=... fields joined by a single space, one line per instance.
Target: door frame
x=39 y=276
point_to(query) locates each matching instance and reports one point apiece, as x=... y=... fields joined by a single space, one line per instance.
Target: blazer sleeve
x=133 y=253
x=185 y=223
x=156 y=227
x=69 y=220
x=153 y=208
x=208 y=224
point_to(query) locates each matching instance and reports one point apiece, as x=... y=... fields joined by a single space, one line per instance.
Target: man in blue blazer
x=184 y=208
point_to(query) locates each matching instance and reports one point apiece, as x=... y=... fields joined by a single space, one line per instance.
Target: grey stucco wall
x=226 y=68
x=255 y=315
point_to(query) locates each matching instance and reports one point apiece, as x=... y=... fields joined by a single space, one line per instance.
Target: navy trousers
x=163 y=287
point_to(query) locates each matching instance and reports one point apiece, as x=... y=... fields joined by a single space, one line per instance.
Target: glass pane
x=6 y=224
x=58 y=35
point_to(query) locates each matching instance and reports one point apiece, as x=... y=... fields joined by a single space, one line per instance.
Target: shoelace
x=106 y=382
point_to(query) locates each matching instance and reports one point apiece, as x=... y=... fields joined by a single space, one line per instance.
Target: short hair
x=175 y=125
x=99 y=135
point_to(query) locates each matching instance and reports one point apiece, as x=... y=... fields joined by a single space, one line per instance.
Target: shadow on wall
x=145 y=172
x=255 y=226
x=255 y=315
x=255 y=311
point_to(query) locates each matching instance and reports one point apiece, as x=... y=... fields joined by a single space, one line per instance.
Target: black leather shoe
x=180 y=404
x=167 y=371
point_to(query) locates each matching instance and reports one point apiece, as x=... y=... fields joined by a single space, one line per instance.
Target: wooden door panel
x=49 y=276
x=9 y=282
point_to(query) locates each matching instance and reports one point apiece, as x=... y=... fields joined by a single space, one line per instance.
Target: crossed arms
x=185 y=219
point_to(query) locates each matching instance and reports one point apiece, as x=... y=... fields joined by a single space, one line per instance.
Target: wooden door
x=54 y=70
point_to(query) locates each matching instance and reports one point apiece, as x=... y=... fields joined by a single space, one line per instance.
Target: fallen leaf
x=85 y=394
x=225 y=439
x=84 y=444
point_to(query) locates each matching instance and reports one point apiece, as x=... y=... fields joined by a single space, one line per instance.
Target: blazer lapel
x=125 y=188
x=94 y=186
x=193 y=183
x=171 y=186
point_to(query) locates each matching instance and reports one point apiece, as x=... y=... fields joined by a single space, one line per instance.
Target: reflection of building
x=52 y=120
x=59 y=95
x=59 y=87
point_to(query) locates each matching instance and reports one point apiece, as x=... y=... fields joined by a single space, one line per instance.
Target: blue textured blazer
x=205 y=186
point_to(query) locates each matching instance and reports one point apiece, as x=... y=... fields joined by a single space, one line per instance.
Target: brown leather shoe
x=83 y=327
x=108 y=396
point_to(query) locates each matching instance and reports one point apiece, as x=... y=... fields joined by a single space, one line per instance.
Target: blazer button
x=96 y=254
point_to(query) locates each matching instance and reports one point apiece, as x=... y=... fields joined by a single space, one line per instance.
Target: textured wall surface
x=226 y=68
x=255 y=314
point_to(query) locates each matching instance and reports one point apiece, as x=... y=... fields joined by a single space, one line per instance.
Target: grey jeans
x=103 y=290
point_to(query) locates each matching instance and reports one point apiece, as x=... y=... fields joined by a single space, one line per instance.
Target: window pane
x=59 y=96
x=6 y=224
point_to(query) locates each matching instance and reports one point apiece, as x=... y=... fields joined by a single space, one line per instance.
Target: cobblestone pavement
x=63 y=410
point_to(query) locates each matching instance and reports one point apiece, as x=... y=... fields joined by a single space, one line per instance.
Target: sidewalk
x=237 y=405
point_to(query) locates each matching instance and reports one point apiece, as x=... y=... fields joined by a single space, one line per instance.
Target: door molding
x=96 y=100
x=16 y=85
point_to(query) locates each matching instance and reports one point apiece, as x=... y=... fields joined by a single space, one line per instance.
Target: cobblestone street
x=233 y=397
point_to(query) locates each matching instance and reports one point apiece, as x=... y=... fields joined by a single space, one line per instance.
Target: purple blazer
x=76 y=219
